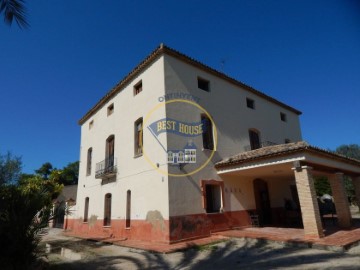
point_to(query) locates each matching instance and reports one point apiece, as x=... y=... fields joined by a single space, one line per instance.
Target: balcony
x=106 y=169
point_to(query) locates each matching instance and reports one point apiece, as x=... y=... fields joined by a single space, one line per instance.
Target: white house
x=247 y=156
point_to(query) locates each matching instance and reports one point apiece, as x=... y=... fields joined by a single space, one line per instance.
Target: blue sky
x=303 y=53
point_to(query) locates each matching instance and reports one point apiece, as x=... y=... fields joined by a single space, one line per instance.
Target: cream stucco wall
x=153 y=189
x=226 y=103
x=149 y=189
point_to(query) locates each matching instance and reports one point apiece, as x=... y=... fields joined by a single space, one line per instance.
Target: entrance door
x=262 y=201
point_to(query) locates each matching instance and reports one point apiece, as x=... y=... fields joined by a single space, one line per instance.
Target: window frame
x=110 y=109
x=86 y=210
x=89 y=161
x=107 y=210
x=208 y=134
x=220 y=184
x=250 y=103
x=203 y=84
x=91 y=124
x=138 y=88
x=138 y=137
x=128 y=209
x=253 y=143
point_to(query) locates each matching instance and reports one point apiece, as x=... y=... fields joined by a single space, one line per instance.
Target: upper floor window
x=250 y=103
x=283 y=117
x=91 y=124
x=203 y=84
x=110 y=150
x=207 y=136
x=137 y=88
x=110 y=109
x=254 y=136
x=89 y=161
x=138 y=145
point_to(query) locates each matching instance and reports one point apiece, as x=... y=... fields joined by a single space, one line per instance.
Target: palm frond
x=14 y=10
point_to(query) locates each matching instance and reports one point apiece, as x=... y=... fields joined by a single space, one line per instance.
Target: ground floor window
x=86 y=210
x=128 y=209
x=213 y=198
x=107 y=210
x=212 y=195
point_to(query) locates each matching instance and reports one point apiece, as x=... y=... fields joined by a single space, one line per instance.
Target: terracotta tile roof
x=281 y=150
x=162 y=49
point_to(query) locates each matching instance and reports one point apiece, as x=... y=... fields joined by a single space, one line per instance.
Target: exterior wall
x=149 y=189
x=164 y=206
x=226 y=103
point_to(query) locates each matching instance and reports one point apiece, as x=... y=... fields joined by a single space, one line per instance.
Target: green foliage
x=10 y=168
x=14 y=10
x=350 y=150
x=45 y=170
x=70 y=174
x=322 y=186
x=25 y=211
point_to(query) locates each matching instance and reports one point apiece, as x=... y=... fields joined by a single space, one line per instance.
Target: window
x=213 y=195
x=287 y=141
x=203 y=84
x=137 y=88
x=138 y=146
x=128 y=209
x=86 y=210
x=207 y=136
x=110 y=109
x=254 y=139
x=91 y=124
x=89 y=160
x=170 y=157
x=107 y=210
x=283 y=117
x=181 y=157
x=110 y=149
x=250 y=103
x=213 y=198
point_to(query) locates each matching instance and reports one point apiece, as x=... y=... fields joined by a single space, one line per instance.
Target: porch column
x=308 y=202
x=340 y=199
x=356 y=184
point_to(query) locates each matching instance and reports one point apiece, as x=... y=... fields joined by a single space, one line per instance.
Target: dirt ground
x=71 y=253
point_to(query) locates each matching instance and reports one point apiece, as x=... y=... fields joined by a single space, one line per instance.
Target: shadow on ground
x=232 y=254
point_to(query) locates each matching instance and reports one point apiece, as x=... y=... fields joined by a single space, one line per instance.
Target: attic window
x=91 y=124
x=250 y=103
x=110 y=109
x=283 y=117
x=137 y=88
x=203 y=84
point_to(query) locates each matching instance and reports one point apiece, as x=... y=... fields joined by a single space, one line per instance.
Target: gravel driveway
x=71 y=253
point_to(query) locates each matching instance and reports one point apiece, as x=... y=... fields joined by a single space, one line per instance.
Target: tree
x=45 y=170
x=70 y=174
x=14 y=10
x=10 y=168
x=349 y=150
x=25 y=210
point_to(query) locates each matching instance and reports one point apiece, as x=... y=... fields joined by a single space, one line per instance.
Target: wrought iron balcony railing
x=106 y=168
